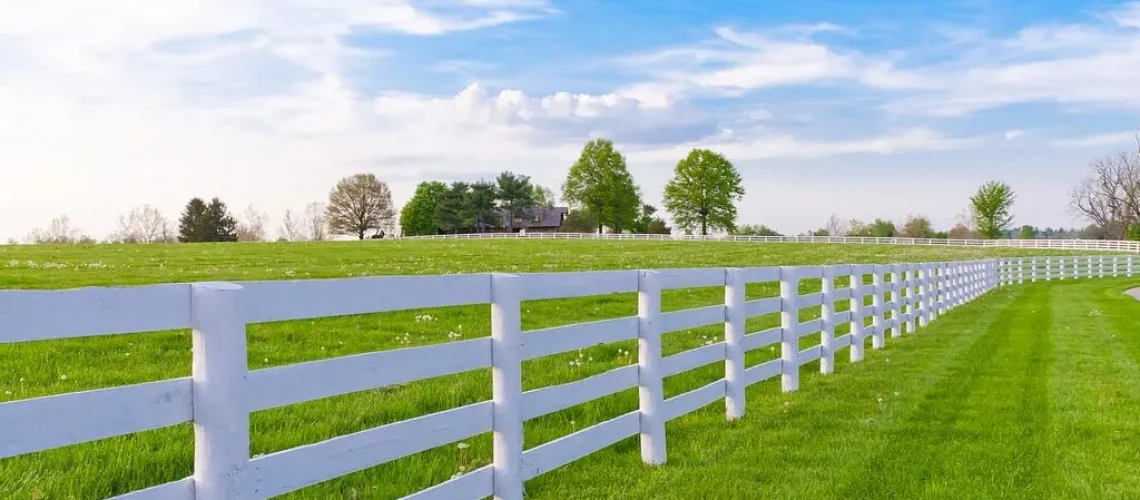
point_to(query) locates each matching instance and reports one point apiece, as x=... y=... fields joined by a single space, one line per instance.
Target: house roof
x=549 y=217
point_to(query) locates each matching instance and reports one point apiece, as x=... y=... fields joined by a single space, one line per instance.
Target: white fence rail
x=1044 y=244
x=221 y=392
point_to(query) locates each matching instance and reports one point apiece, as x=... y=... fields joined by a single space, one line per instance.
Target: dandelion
x=462 y=446
x=63 y=377
x=21 y=379
x=266 y=360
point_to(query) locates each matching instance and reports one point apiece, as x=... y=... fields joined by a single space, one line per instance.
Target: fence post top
x=215 y=286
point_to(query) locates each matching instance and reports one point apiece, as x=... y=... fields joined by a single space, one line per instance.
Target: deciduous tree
x=144 y=224
x=315 y=225
x=917 y=226
x=600 y=185
x=418 y=218
x=993 y=208
x=703 y=192
x=360 y=203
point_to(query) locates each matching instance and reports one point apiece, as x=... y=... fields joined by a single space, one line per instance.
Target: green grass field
x=1028 y=393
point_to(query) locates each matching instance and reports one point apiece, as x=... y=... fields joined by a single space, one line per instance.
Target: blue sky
x=858 y=108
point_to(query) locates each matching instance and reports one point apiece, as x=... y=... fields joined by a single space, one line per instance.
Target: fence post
x=1061 y=270
x=857 y=320
x=896 y=300
x=923 y=310
x=911 y=289
x=734 y=330
x=1020 y=270
x=878 y=341
x=506 y=387
x=790 y=324
x=943 y=288
x=1129 y=265
x=1115 y=266
x=221 y=417
x=827 y=316
x=1101 y=274
x=650 y=390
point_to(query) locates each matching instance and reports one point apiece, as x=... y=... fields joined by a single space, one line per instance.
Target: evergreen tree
x=220 y=225
x=479 y=208
x=451 y=213
x=514 y=194
x=192 y=223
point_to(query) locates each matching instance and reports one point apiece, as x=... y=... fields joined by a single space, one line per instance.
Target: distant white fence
x=220 y=394
x=1057 y=244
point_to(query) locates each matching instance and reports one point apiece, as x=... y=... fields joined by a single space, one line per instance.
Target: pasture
x=987 y=400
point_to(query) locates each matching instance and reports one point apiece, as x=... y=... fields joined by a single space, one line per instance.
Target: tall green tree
x=600 y=185
x=480 y=207
x=703 y=192
x=1028 y=233
x=418 y=218
x=201 y=222
x=882 y=228
x=452 y=214
x=360 y=203
x=993 y=208
x=514 y=193
x=221 y=225
x=192 y=224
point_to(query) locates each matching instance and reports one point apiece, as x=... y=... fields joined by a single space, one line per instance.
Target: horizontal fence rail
x=222 y=391
x=1042 y=244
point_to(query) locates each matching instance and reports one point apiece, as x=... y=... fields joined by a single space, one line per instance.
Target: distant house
x=536 y=220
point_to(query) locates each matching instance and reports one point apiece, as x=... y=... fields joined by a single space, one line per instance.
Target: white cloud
x=1013 y=134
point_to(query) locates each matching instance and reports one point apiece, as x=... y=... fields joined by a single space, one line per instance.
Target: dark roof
x=548 y=217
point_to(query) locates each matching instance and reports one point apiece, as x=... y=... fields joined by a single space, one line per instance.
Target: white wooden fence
x=220 y=394
x=1055 y=244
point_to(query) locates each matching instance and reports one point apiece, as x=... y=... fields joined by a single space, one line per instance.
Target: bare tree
x=144 y=224
x=836 y=226
x=1110 y=196
x=315 y=224
x=291 y=229
x=360 y=203
x=59 y=232
x=252 y=225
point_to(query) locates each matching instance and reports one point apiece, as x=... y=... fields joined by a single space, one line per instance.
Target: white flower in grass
x=7 y=393
x=63 y=377
x=897 y=394
x=266 y=360
x=21 y=379
x=462 y=446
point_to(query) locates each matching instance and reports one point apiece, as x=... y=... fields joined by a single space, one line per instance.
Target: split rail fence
x=221 y=392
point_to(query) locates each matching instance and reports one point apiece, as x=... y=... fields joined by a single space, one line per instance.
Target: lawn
x=945 y=429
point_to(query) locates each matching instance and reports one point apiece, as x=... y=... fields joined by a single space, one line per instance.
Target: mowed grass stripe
x=1096 y=409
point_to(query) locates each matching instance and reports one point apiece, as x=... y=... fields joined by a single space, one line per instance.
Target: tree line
x=601 y=195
